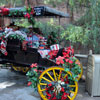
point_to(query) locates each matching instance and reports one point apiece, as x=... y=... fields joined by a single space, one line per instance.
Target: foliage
x=22 y=23
x=32 y=75
x=15 y=36
x=54 y=2
x=12 y=2
x=69 y=62
x=75 y=34
x=88 y=24
x=52 y=39
x=48 y=27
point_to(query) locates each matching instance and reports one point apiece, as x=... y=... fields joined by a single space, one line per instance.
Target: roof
x=47 y=11
x=38 y=12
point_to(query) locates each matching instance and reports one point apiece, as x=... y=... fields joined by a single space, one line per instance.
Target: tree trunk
x=70 y=11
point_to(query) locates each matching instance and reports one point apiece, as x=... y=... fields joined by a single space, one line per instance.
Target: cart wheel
x=20 y=69
x=51 y=82
x=81 y=67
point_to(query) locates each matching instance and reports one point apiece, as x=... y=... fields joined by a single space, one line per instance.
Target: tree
x=89 y=22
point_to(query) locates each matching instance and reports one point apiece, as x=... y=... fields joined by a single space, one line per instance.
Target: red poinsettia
x=29 y=83
x=64 y=96
x=32 y=12
x=33 y=65
x=78 y=63
x=67 y=81
x=49 y=95
x=5 y=11
x=69 y=61
x=27 y=15
x=50 y=84
x=59 y=60
x=35 y=70
x=62 y=89
x=67 y=52
x=52 y=54
x=6 y=53
x=54 y=98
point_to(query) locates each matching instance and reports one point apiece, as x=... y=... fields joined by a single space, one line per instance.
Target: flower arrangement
x=52 y=54
x=60 y=89
x=69 y=62
x=33 y=75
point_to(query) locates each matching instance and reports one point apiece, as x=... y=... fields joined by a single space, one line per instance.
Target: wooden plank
x=81 y=55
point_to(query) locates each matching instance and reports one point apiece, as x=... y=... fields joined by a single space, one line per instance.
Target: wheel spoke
x=43 y=84
x=50 y=76
x=72 y=86
x=69 y=97
x=72 y=92
x=54 y=74
x=46 y=79
x=59 y=75
x=65 y=76
x=42 y=90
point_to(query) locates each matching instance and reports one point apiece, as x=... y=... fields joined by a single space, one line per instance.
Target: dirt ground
x=13 y=86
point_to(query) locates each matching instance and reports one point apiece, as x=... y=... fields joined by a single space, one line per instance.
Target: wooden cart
x=52 y=74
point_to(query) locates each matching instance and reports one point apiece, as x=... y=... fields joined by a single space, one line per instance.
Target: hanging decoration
x=26 y=12
x=3 y=45
x=4 y=11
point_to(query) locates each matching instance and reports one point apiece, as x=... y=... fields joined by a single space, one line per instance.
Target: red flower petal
x=70 y=61
x=67 y=60
x=29 y=83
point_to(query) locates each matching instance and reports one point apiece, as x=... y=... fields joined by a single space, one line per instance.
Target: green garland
x=15 y=36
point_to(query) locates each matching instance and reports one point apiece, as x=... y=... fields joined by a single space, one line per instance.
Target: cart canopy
x=38 y=12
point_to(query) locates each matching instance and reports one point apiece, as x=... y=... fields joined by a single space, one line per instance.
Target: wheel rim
x=81 y=67
x=55 y=75
x=20 y=69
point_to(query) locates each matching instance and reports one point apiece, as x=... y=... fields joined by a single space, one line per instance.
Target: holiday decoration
x=52 y=54
x=52 y=39
x=33 y=75
x=69 y=62
x=53 y=71
x=54 y=47
x=3 y=45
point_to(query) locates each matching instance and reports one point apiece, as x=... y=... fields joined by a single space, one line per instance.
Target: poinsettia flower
x=49 y=96
x=59 y=60
x=64 y=96
x=72 y=51
x=52 y=54
x=5 y=53
x=78 y=63
x=67 y=82
x=35 y=70
x=65 y=54
x=29 y=83
x=32 y=11
x=47 y=89
x=27 y=15
x=40 y=71
x=5 y=11
x=33 y=65
x=62 y=89
x=54 y=98
x=67 y=60
x=50 y=84
x=62 y=79
x=70 y=61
